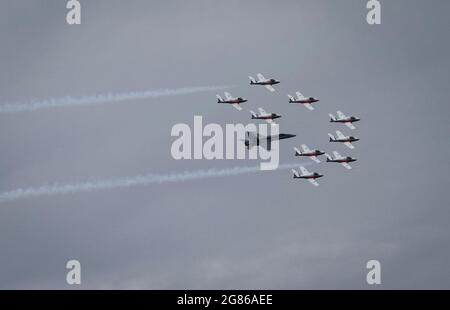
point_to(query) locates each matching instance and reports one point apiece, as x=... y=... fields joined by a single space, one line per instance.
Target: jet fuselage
x=270 y=116
x=308 y=177
x=269 y=82
x=346 y=120
x=309 y=154
x=280 y=136
x=234 y=101
x=344 y=140
x=341 y=160
x=304 y=101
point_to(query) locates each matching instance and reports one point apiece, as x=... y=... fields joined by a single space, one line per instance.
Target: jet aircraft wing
x=309 y=107
x=269 y=87
x=348 y=144
x=340 y=115
x=305 y=148
x=237 y=106
x=346 y=165
x=299 y=95
x=340 y=135
x=313 y=182
x=315 y=159
x=350 y=125
x=304 y=170
x=337 y=155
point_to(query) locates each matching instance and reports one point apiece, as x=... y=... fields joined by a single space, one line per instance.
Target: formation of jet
x=307 y=152
x=306 y=101
x=263 y=115
x=257 y=139
x=267 y=83
x=305 y=174
x=347 y=120
x=340 y=137
x=229 y=99
x=338 y=158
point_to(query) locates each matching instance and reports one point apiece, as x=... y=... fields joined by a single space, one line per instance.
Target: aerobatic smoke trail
x=102 y=99
x=140 y=180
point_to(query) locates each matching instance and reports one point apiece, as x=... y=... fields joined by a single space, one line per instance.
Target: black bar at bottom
x=212 y=299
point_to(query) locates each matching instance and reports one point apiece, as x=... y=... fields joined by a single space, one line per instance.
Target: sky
x=261 y=230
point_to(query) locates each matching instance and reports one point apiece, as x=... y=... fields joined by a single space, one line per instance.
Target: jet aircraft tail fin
x=219 y=99
x=252 y=80
x=297 y=151
x=295 y=172
x=332 y=118
x=253 y=114
x=291 y=99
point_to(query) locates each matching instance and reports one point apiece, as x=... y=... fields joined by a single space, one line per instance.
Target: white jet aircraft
x=338 y=158
x=229 y=99
x=347 y=120
x=340 y=137
x=310 y=176
x=306 y=101
x=307 y=152
x=268 y=117
x=267 y=83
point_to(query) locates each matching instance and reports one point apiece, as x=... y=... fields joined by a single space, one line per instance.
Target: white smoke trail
x=102 y=99
x=140 y=180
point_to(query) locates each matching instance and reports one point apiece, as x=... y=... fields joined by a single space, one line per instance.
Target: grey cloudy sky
x=252 y=231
